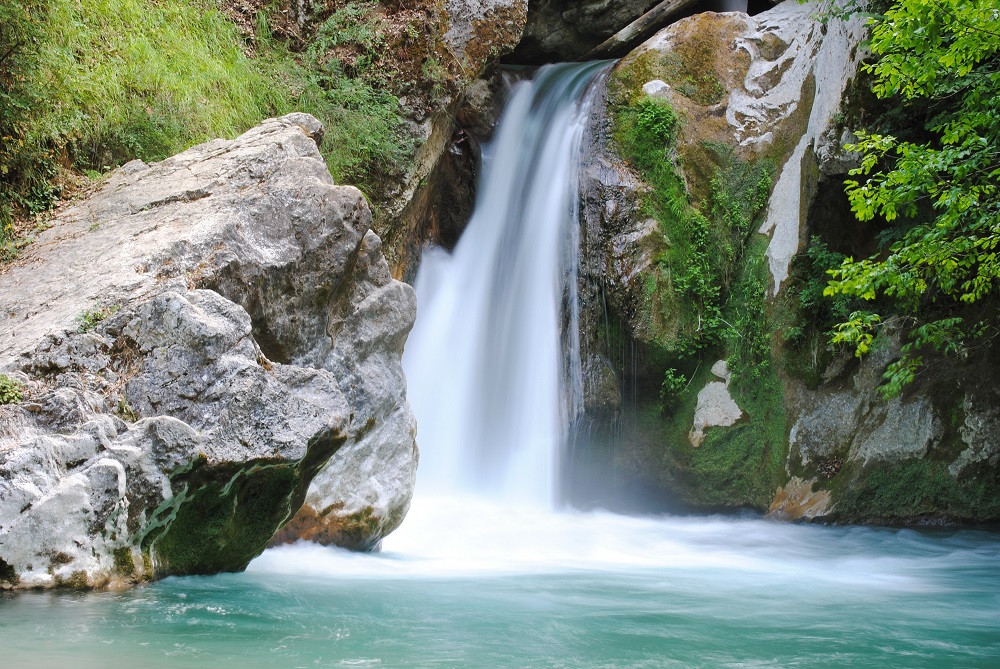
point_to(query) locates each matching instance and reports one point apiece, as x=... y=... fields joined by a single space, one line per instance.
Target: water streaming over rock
x=484 y=361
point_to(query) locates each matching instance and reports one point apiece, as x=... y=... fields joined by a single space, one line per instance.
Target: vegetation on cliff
x=936 y=188
x=86 y=85
x=701 y=299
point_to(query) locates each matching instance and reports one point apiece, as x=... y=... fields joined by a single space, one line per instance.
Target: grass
x=91 y=318
x=130 y=78
x=918 y=488
x=92 y=84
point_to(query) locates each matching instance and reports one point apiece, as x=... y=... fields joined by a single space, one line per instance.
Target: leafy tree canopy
x=944 y=194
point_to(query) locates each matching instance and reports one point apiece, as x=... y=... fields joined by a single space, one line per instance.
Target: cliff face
x=199 y=344
x=709 y=381
x=566 y=30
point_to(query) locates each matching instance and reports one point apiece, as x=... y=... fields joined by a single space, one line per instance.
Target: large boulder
x=194 y=343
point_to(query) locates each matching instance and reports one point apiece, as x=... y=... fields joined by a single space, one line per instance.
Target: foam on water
x=468 y=537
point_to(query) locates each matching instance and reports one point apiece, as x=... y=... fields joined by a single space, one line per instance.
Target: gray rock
x=980 y=432
x=901 y=430
x=198 y=341
x=480 y=27
x=565 y=30
x=829 y=424
x=656 y=88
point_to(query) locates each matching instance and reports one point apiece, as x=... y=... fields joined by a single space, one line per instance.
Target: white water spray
x=484 y=359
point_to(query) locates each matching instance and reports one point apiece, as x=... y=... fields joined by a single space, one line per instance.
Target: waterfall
x=484 y=362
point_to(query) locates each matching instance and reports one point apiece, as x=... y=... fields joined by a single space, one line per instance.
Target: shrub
x=11 y=390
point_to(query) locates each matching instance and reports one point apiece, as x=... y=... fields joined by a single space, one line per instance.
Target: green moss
x=124 y=566
x=703 y=298
x=680 y=293
x=739 y=466
x=806 y=316
x=689 y=69
x=916 y=489
x=356 y=530
x=743 y=465
x=222 y=516
x=77 y=581
x=625 y=86
x=683 y=292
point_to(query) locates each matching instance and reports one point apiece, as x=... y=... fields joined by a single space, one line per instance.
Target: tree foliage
x=942 y=194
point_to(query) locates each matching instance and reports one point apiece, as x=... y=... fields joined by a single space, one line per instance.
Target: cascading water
x=484 y=359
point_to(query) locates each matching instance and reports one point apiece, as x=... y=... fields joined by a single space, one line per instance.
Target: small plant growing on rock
x=674 y=383
x=11 y=390
x=89 y=319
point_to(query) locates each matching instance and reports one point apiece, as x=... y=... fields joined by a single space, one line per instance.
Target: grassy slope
x=100 y=82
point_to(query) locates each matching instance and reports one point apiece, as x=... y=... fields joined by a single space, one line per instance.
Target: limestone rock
x=479 y=30
x=781 y=75
x=198 y=340
x=980 y=432
x=903 y=430
x=716 y=407
x=655 y=88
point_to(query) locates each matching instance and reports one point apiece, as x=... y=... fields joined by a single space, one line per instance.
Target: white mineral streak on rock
x=716 y=407
x=656 y=88
x=830 y=55
x=782 y=44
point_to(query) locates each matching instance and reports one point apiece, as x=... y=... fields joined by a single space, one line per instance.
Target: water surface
x=566 y=590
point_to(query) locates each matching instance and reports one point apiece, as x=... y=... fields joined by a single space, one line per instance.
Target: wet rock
x=199 y=340
x=797 y=500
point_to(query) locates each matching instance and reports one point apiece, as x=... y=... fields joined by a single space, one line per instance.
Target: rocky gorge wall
x=715 y=181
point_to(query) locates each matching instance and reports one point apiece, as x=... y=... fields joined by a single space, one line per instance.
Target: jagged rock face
x=835 y=449
x=736 y=81
x=929 y=456
x=197 y=341
x=559 y=30
x=476 y=34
